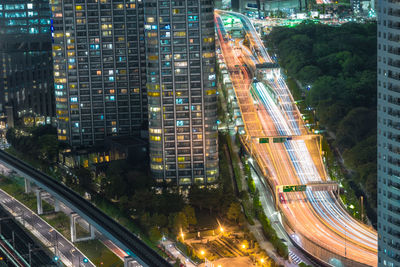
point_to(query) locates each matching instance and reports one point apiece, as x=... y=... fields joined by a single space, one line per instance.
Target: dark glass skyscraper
x=26 y=81
x=99 y=69
x=181 y=84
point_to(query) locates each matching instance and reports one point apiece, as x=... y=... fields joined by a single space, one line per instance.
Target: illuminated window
x=159 y=160
x=153 y=57
x=155 y=138
x=156 y=167
x=155 y=131
x=208 y=55
x=155 y=109
x=179 y=34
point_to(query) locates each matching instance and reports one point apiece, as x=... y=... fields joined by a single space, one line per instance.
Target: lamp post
x=345 y=241
x=202 y=252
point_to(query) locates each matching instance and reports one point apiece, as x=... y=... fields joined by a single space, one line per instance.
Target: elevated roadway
x=118 y=234
x=314 y=220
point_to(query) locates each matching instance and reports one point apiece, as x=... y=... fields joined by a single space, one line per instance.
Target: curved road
x=315 y=216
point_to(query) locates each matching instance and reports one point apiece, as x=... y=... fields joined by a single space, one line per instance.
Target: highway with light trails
x=314 y=220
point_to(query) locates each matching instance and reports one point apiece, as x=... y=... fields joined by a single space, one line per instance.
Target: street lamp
x=182 y=235
x=345 y=241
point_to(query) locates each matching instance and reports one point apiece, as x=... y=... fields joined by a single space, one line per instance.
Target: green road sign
x=301 y=188
x=279 y=139
x=263 y=140
x=294 y=188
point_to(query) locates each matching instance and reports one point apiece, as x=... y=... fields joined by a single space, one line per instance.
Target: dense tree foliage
x=40 y=142
x=340 y=65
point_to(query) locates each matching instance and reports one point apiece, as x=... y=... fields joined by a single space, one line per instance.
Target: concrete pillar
x=73 y=227
x=56 y=205
x=39 y=201
x=28 y=187
x=91 y=229
x=129 y=261
x=74 y=218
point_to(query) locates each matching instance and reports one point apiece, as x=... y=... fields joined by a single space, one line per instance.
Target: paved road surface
x=171 y=248
x=68 y=253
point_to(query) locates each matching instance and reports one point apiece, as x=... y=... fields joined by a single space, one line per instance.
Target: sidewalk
x=176 y=253
x=65 y=250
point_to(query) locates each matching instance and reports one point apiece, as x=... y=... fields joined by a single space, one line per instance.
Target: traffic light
x=56 y=258
x=85 y=260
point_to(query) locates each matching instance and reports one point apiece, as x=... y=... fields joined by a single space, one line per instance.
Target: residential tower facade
x=99 y=69
x=181 y=85
x=389 y=133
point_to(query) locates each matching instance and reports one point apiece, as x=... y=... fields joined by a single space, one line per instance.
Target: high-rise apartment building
x=181 y=85
x=389 y=133
x=99 y=69
x=26 y=72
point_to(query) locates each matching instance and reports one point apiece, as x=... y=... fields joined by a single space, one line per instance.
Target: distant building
x=26 y=73
x=181 y=83
x=388 y=133
x=99 y=69
x=356 y=6
x=266 y=6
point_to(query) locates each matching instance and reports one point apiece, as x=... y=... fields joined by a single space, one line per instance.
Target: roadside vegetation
x=99 y=254
x=249 y=207
x=126 y=192
x=335 y=69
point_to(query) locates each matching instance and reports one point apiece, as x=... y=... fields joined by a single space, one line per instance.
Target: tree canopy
x=340 y=65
